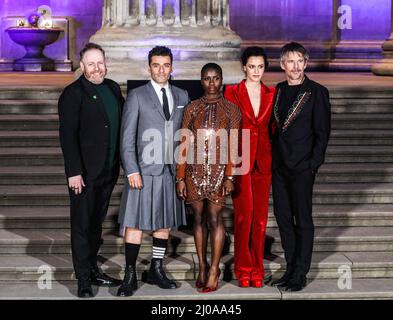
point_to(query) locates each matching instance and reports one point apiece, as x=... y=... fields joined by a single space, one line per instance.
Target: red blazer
x=260 y=147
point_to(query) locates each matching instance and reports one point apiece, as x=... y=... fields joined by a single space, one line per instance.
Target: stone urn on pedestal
x=35 y=34
x=34 y=40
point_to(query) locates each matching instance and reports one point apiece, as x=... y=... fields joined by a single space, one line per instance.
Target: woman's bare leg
x=200 y=238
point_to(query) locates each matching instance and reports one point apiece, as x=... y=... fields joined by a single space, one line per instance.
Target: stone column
x=159 y=13
x=114 y=13
x=226 y=14
x=197 y=31
x=177 y=10
x=142 y=12
x=385 y=66
x=216 y=12
x=193 y=18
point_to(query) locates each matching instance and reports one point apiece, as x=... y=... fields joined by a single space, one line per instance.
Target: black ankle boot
x=297 y=282
x=84 y=288
x=98 y=278
x=283 y=281
x=130 y=283
x=156 y=275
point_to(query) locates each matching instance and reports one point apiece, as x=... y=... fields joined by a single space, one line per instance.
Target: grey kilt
x=154 y=207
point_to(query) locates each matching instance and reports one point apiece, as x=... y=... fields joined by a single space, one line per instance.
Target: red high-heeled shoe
x=244 y=283
x=200 y=284
x=257 y=283
x=209 y=289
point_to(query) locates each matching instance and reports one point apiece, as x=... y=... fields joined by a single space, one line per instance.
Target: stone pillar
x=159 y=13
x=193 y=17
x=114 y=13
x=197 y=31
x=216 y=11
x=385 y=66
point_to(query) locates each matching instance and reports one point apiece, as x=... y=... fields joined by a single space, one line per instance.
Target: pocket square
x=179 y=107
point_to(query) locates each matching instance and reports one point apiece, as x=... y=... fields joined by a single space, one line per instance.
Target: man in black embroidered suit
x=90 y=117
x=302 y=129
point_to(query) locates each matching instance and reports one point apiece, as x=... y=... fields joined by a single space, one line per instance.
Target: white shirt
x=157 y=88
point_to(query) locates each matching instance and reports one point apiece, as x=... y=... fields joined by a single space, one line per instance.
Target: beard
x=96 y=77
x=296 y=76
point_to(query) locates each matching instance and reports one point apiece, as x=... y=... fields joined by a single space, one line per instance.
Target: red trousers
x=250 y=201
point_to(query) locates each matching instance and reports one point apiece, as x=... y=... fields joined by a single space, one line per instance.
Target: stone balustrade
x=161 y=13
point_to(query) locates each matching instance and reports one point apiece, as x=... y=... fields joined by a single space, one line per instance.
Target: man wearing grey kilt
x=151 y=116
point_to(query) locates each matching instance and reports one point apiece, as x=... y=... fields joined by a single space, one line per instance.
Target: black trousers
x=88 y=211
x=292 y=201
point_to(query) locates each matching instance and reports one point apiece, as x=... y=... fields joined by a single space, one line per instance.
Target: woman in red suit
x=251 y=195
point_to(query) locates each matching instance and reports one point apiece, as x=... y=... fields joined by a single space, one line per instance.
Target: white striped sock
x=158 y=252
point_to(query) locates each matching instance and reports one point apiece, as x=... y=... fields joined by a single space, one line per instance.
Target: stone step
x=349 y=215
x=57 y=217
x=67 y=290
x=42 y=101
x=30 y=156
x=325 y=289
x=362 y=289
x=29 y=268
x=185 y=266
x=19 y=102
x=50 y=138
x=355 y=172
x=345 y=121
x=327 y=239
x=328 y=173
x=359 y=154
x=30 y=93
x=28 y=107
x=360 y=92
x=34 y=175
x=358 y=104
x=361 y=137
x=344 y=239
x=366 y=121
x=51 y=156
x=29 y=122
x=29 y=138
x=55 y=195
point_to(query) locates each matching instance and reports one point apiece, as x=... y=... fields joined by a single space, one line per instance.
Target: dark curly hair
x=160 y=51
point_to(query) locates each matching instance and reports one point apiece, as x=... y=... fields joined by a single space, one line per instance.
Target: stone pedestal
x=197 y=31
x=385 y=66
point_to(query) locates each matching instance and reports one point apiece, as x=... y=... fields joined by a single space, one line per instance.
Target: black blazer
x=84 y=128
x=300 y=140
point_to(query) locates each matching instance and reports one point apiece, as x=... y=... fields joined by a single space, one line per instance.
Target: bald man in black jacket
x=89 y=114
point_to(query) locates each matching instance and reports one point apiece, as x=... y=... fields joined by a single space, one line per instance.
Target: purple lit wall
x=371 y=20
x=272 y=21
x=87 y=14
x=310 y=20
x=282 y=20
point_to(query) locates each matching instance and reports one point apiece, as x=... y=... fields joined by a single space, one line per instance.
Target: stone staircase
x=353 y=209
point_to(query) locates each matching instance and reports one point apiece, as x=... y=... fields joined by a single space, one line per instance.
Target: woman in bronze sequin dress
x=205 y=178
